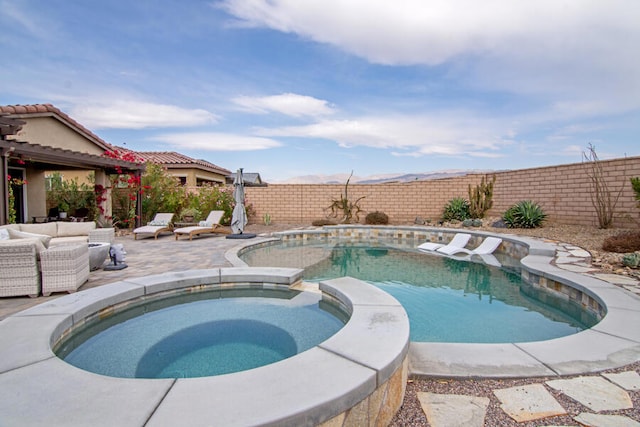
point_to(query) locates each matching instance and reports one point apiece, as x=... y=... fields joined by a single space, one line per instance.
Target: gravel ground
x=411 y=414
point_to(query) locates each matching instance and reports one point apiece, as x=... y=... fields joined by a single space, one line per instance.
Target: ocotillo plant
x=481 y=197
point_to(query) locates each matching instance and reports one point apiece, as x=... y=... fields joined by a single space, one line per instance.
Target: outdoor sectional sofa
x=48 y=257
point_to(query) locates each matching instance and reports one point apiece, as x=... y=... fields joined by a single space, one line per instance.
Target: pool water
x=447 y=300
x=205 y=337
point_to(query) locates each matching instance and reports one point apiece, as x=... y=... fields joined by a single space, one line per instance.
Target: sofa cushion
x=68 y=229
x=10 y=226
x=37 y=243
x=15 y=234
x=48 y=228
x=58 y=241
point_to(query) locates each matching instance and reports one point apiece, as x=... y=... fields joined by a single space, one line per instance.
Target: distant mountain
x=377 y=179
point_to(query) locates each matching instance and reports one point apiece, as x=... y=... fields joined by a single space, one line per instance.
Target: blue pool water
x=204 y=337
x=447 y=300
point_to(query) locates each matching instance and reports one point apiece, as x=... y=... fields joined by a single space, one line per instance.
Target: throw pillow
x=158 y=223
x=204 y=224
x=4 y=234
x=15 y=234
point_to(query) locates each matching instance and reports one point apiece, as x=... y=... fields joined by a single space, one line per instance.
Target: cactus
x=481 y=197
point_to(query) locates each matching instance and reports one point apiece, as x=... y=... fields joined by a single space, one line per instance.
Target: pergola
x=50 y=158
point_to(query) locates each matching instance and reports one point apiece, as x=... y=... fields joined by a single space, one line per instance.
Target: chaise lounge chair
x=161 y=223
x=460 y=240
x=487 y=247
x=204 y=227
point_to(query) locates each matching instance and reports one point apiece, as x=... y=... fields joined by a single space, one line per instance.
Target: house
x=35 y=139
x=190 y=172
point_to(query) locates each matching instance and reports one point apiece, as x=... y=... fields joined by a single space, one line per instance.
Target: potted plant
x=63 y=208
x=190 y=214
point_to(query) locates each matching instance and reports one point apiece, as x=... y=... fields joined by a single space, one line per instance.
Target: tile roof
x=173 y=159
x=48 y=110
x=168 y=158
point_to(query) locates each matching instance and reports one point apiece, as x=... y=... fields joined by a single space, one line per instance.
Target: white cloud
x=574 y=51
x=215 y=141
x=434 y=31
x=138 y=115
x=289 y=104
x=452 y=134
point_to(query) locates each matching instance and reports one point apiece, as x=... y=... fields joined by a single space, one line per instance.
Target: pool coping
x=611 y=343
x=38 y=388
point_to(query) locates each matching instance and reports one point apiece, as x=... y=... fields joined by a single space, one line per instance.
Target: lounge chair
x=487 y=247
x=161 y=223
x=459 y=241
x=204 y=227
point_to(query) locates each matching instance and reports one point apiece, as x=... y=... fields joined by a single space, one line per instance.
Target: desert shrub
x=603 y=199
x=456 y=209
x=376 y=218
x=345 y=208
x=623 y=242
x=631 y=260
x=322 y=222
x=524 y=214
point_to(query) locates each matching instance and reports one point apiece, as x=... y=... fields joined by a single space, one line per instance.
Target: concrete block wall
x=563 y=191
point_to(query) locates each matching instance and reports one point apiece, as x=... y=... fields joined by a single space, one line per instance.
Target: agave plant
x=524 y=214
x=456 y=209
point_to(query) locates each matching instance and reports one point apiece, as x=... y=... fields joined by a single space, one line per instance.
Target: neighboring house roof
x=173 y=160
x=48 y=110
x=251 y=179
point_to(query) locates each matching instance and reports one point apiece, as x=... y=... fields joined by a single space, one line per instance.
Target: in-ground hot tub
x=358 y=373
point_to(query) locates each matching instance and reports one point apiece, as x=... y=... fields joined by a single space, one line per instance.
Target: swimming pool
x=447 y=300
x=204 y=334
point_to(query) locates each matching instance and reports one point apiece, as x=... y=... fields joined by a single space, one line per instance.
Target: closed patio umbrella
x=239 y=217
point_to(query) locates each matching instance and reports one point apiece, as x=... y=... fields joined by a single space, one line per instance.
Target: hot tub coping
x=316 y=385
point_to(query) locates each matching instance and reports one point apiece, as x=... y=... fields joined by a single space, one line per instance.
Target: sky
x=288 y=88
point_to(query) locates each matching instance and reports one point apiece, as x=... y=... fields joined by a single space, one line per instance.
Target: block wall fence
x=563 y=191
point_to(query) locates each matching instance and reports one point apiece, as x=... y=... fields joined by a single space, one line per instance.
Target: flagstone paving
x=599 y=420
x=596 y=393
x=454 y=410
x=626 y=380
x=529 y=402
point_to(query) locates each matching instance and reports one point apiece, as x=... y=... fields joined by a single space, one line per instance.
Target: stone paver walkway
x=535 y=402
x=529 y=402
x=596 y=393
x=454 y=410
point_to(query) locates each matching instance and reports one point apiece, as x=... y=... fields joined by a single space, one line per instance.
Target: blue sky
x=318 y=87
